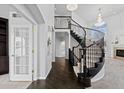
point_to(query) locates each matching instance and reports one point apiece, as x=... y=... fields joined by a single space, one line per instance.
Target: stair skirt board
x=76 y=70
x=99 y=75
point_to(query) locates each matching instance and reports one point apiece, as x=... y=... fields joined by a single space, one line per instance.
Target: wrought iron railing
x=90 y=48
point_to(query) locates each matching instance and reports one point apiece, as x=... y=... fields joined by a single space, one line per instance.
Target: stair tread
x=93 y=53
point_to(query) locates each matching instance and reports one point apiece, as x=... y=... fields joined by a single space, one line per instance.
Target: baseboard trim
x=35 y=79
x=46 y=74
x=42 y=78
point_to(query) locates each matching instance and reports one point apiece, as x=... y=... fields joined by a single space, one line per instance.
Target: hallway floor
x=61 y=76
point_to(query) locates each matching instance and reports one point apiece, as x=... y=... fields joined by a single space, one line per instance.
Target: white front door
x=20 y=48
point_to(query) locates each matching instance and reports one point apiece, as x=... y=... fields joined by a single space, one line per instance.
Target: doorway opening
x=61 y=46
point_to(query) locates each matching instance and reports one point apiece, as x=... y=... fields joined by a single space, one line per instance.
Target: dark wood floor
x=61 y=76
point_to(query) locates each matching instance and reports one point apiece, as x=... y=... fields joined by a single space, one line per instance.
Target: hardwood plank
x=61 y=76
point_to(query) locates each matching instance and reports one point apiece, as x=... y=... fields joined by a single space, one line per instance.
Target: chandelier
x=100 y=21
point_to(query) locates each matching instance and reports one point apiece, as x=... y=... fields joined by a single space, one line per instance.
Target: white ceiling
x=35 y=12
x=60 y=9
x=89 y=11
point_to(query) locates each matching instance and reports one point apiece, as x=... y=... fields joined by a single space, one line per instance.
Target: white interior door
x=20 y=49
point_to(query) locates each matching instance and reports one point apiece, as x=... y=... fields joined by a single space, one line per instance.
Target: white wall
x=5 y=9
x=45 y=52
x=114 y=30
x=115 y=25
x=44 y=58
x=78 y=19
x=49 y=50
x=47 y=11
x=41 y=50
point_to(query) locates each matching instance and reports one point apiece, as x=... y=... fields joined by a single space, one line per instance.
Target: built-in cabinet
x=4 y=59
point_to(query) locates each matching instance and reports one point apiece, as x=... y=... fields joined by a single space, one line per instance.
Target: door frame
x=64 y=56
x=61 y=30
x=22 y=11
x=10 y=57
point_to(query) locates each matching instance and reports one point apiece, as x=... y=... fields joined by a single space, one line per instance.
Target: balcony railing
x=62 y=22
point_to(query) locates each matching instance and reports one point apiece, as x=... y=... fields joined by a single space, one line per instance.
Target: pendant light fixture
x=100 y=21
x=72 y=7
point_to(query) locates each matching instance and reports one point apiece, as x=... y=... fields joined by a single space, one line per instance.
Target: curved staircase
x=87 y=57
